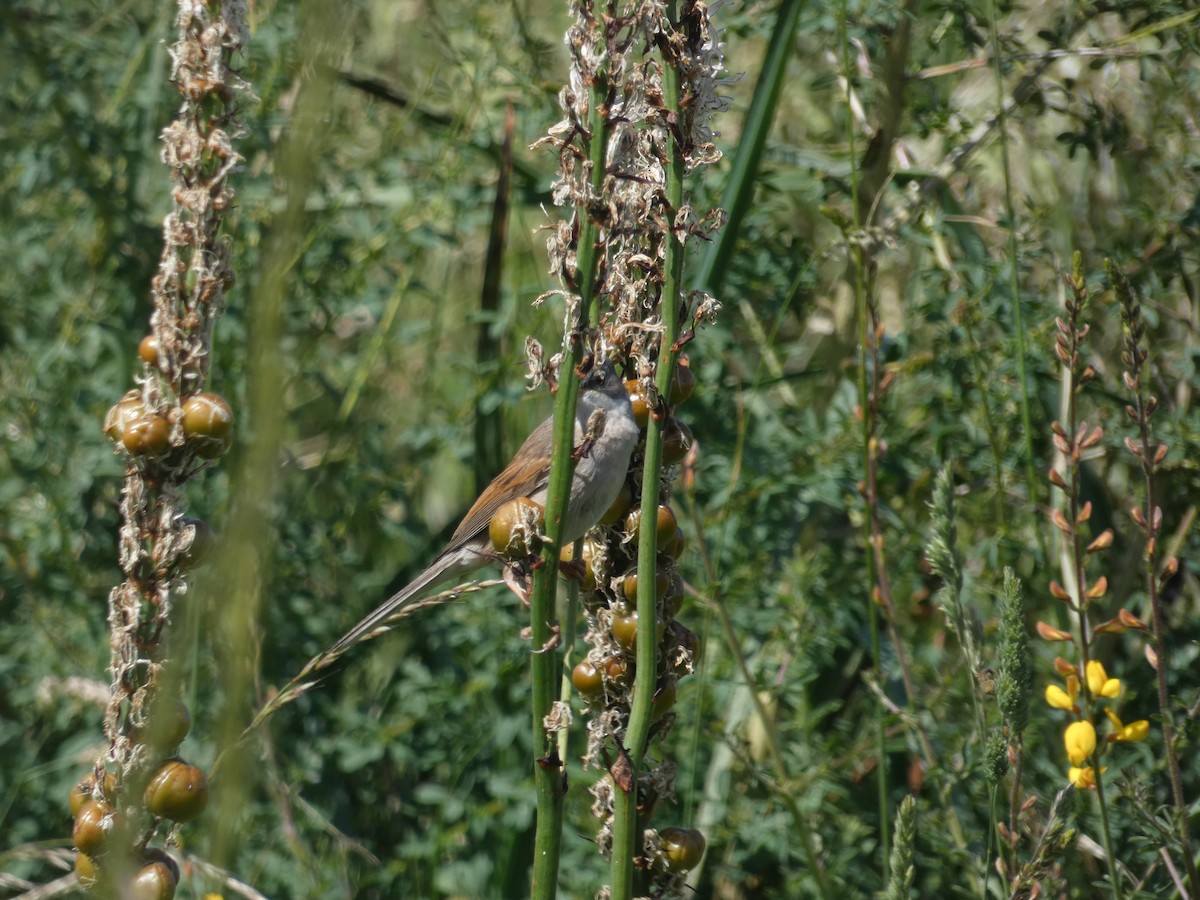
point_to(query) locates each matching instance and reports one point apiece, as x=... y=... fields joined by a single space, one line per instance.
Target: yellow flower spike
x=1080 y=741
x=1134 y=731
x=1098 y=681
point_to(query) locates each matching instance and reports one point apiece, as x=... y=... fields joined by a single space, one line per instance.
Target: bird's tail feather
x=394 y=605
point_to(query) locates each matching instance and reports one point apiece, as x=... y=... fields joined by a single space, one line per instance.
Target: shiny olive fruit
x=93 y=824
x=624 y=630
x=81 y=793
x=155 y=855
x=208 y=423
x=683 y=382
x=512 y=526
x=618 y=671
x=148 y=350
x=683 y=848
x=665 y=526
x=662 y=584
x=674 y=545
x=620 y=506
x=677 y=441
x=128 y=409
x=200 y=544
x=156 y=880
x=587 y=679
x=148 y=435
x=177 y=791
x=589 y=573
x=85 y=869
x=664 y=698
x=166 y=726
x=637 y=398
x=207 y=415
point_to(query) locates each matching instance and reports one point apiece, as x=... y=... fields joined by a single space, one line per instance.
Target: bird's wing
x=524 y=476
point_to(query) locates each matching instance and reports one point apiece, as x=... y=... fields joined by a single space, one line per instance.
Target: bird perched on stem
x=603 y=445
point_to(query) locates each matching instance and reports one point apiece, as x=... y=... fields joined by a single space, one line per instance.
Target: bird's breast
x=599 y=474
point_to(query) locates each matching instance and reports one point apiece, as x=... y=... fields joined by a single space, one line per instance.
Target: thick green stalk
x=549 y=769
x=625 y=820
x=739 y=189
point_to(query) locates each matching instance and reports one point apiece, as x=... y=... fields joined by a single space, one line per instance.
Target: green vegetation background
x=407 y=771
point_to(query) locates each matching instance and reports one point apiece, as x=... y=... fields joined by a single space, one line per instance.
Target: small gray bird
x=596 y=483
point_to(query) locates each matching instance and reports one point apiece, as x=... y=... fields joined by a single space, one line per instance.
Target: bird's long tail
x=436 y=574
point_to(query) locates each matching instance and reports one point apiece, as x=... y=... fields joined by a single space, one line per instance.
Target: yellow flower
x=1134 y=731
x=1060 y=699
x=1084 y=778
x=1098 y=681
x=1080 y=741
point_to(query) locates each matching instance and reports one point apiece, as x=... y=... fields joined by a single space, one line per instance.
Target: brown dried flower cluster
x=168 y=428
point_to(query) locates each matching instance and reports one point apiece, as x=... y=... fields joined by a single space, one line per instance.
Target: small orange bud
x=1129 y=620
x=1063 y=668
x=1094 y=438
x=1098 y=589
x=1050 y=633
x=1060 y=522
x=1084 y=514
x=1058 y=592
x=1102 y=542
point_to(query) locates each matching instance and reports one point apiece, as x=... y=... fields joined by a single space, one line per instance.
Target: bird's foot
x=552 y=643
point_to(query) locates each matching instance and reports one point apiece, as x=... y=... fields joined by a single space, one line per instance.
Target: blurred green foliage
x=407 y=769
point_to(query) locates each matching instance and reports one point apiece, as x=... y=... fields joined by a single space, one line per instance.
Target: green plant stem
x=1136 y=357
x=1031 y=480
x=860 y=297
x=1074 y=548
x=739 y=189
x=1113 y=871
x=987 y=855
x=1014 y=797
x=549 y=768
x=625 y=818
